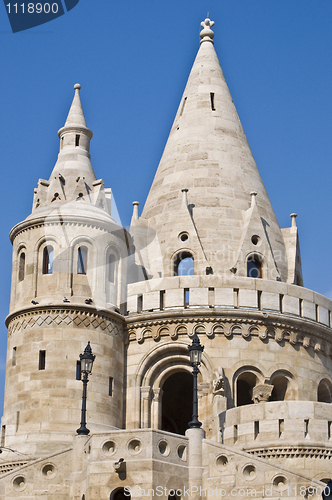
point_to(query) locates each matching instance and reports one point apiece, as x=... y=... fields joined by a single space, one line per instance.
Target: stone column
x=195 y=459
x=219 y=406
x=145 y=407
x=156 y=409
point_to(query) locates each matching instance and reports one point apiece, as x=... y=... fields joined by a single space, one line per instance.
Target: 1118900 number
x=32 y=8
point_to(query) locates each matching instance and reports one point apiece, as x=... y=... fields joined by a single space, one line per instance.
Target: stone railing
x=280 y=424
x=189 y=292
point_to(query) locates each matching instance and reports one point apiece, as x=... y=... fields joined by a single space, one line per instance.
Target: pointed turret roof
x=207 y=153
x=73 y=186
x=76 y=115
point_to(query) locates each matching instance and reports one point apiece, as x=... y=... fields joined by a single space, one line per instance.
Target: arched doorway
x=177 y=402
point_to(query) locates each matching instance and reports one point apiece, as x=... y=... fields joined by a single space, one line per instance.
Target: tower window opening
x=324 y=392
x=183 y=105
x=317 y=312
x=82 y=260
x=306 y=427
x=111 y=268
x=301 y=308
x=244 y=387
x=254 y=266
x=139 y=303
x=184 y=264
x=3 y=435
x=21 y=268
x=280 y=386
x=48 y=259
x=259 y=300
x=42 y=360
x=281 y=303
x=162 y=300
x=281 y=426
x=235 y=434
x=211 y=297
x=77 y=140
x=78 y=370
x=329 y=430
x=186 y=297
x=256 y=429
x=212 y=101
x=14 y=357
x=110 y=386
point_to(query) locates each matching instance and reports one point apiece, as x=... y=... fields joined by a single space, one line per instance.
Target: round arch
x=155 y=368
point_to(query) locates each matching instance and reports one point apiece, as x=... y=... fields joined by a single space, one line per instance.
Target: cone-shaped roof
x=207 y=152
x=76 y=115
x=73 y=186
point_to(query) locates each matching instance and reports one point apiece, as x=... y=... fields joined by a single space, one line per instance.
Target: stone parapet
x=212 y=292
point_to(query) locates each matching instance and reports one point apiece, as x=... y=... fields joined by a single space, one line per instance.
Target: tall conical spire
x=73 y=178
x=208 y=153
x=76 y=115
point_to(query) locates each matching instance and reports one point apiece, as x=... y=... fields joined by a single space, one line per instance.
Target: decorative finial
x=253 y=195
x=293 y=216
x=207 y=34
x=77 y=86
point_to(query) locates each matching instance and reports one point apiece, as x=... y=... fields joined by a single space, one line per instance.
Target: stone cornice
x=109 y=322
x=60 y=220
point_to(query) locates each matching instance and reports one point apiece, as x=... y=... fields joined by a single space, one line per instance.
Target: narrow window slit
x=329 y=430
x=110 y=386
x=256 y=429
x=14 y=357
x=42 y=360
x=281 y=426
x=77 y=140
x=183 y=105
x=78 y=370
x=211 y=297
x=306 y=427
x=212 y=101
x=301 y=307
x=139 y=303
x=259 y=300
x=162 y=300
x=235 y=435
x=186 y=297
x=281 y=300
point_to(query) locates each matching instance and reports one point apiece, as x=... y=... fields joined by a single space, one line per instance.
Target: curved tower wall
x=68 y=288
x=265 y=382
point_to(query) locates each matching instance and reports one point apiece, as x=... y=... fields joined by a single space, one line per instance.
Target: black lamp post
x=195 y=353
x=87 y=359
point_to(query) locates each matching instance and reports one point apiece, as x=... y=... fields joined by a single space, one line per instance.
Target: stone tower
x=68 y=287
x=206 y=258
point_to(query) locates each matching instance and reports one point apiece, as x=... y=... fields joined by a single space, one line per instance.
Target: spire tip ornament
x=207 y=34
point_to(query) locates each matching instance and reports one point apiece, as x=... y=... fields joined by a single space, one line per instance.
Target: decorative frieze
x=280 y=332
x=65 y=318
x=292 y=452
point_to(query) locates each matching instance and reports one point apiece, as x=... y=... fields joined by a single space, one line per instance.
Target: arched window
x=21 y=267
x=280 y=386
x=111 y=268
x=48 y=258
x=244 y=386
x=183 y=264
x=324 y=393
x=82 y=260
x=254 y=266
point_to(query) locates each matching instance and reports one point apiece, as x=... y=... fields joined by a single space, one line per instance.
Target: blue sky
x=133 y=59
